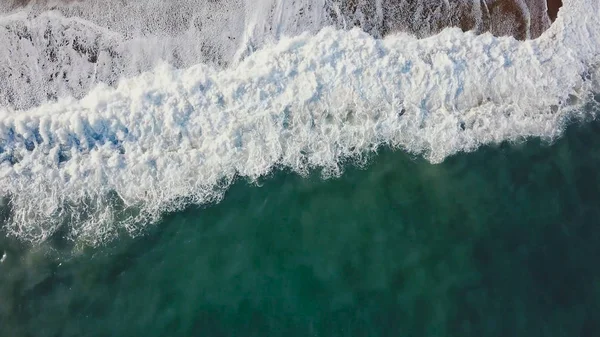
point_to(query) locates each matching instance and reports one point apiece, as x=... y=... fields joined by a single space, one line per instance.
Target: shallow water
x=500 y=242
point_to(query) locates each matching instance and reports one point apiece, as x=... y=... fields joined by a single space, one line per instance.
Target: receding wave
x=130 y=150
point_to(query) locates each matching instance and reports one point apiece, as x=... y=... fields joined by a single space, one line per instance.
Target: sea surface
x=309 y=168
x=501 y=242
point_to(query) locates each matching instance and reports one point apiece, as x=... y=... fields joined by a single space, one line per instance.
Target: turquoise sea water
x=504 y=241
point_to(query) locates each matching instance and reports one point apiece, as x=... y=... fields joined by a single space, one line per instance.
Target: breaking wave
x=173 y=134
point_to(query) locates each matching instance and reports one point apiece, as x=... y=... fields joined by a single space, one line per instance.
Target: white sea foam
x=121 y=156
x=67 y=51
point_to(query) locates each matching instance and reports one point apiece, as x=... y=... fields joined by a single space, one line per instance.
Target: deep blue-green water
x=504 y=241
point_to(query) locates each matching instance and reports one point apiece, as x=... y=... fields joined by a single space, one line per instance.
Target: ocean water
x=306 y=168
x=501 y=242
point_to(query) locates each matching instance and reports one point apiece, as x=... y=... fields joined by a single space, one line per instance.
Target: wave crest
x=121 y=156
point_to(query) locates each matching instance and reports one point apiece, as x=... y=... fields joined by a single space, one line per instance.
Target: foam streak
x=120 y=157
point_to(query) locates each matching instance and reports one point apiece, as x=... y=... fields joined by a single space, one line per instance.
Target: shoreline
x=522 y=19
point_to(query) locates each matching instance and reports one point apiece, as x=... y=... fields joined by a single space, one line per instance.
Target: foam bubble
x=69 y=50
x=121 y=156
x=66 y=52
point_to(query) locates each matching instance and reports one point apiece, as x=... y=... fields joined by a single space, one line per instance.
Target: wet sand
x=553 y=7
x=523 y=19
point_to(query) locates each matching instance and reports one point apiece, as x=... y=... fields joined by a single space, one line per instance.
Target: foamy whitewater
x=121 y=156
